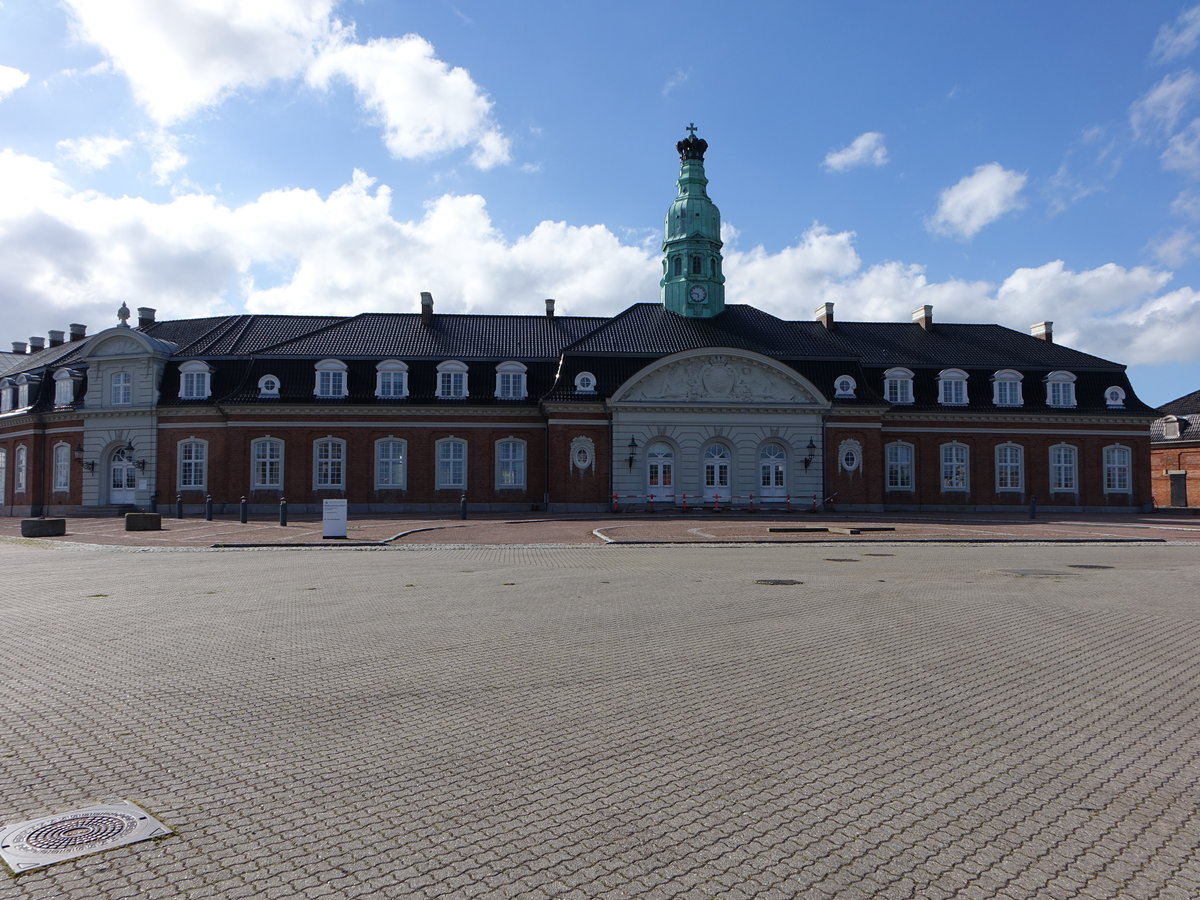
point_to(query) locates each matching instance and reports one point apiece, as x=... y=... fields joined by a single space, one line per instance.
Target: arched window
x=898 y=384
x=391 y=469
x=193 y=464
x=1116 y=469
x=1010 y=467
x=1114 y=397
x=451 y=463
x=391 y=380
x=25 y=385
x=585 y=383
x=120 y=389
x=952 y=387
x=1006 y=388
x=772 y=471
x=716 y=468
x=660 y=471
x=1063 y=466
x=268 y=388
x=844 y=387
x=20 y=469
x=451 y=380
x=697 y=265
x=62 y=467
x=329 y=464
x=331 y=379
x=266 y=455
x=677 y=266
x=64 y=386
x=899 y=466
x=6 y=395
x=510 y=381
x=194 y=380
x=955 y=468
x=510 y=463
x=1060 y=389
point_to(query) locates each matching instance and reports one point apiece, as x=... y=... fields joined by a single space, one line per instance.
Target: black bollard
x=462 y=506
x=242 y=511
x=208 y=507
x=179 y=506
x=283 y=511
x=154 y=502
x=1033 y=507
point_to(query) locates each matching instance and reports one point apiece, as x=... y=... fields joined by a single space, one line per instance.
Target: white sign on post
x=333 y=518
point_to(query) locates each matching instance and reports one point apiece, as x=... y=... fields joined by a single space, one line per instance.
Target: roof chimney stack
x=426 y=307
x=824 y=314
x=145 y=316
x=37 y=343
x=18 y=346
x=78 y=332
x=923 y=317
x=56 y=338
x=550 y=307
x=1043 y=330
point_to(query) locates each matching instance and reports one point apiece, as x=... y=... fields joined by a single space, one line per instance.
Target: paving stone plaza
x=916 y=720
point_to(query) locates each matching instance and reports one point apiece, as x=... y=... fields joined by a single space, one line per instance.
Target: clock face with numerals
x=698 y=293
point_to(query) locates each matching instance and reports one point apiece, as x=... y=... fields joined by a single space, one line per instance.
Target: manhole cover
x=42 y=842
x=1086 y=566
x=777 y=581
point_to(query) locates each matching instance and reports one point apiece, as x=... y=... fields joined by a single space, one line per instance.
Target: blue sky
x=1012 y=162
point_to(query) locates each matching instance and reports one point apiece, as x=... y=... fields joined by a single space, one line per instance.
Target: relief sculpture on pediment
x=717 y=379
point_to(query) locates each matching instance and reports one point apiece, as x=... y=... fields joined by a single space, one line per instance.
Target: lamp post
x=812 y=453
x=89 y=465
x=633 y=448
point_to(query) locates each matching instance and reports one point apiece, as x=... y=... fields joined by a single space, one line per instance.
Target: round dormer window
x=585 y=383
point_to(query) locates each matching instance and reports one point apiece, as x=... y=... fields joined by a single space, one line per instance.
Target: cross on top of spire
x=691 y=128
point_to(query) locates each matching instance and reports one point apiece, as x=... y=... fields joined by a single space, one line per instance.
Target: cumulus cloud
x=1183 y=151
x=867 y=149
x=978 y=200
x=11 y=79
x=93 y=152
x=1158 y=110
x=1178 y=38
x=1176 y=248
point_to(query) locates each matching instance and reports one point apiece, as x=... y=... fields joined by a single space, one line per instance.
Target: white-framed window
x=24 y=394
x=391 y=464
x=329 y=464
x=510 y=381
x=849 y=455
x=195 y=380
x=20 y=469
x=6 y=395
x=585 y=383
x=844 y=387
x=1116 y=469
x=391 y=380
x=1006 y=388
x=510 y=463
x=268 y=387
x=451 y=463
x=660 y=470
x=193 y=464
x=1010 y=467
x=716 y=466
x=1171 y=428
x=330 y=379
x=1064 y=460
x=451 y=380
x=266 y=463
x=772 y=468
x=898 y=386
x=899 y=456
x=64 y=387
x=1114 y=397
x=952 y=387
x=62 y=467
x=1060 y=389
x=955 y=468
x=120 y=389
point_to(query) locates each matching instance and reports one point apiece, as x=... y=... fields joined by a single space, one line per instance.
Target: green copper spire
x=692 y=283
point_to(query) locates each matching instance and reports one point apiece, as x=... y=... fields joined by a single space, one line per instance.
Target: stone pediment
x=718 y=378
x=119 y=346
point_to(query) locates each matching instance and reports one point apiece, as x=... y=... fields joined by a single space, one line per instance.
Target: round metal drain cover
x=777 y=581
x=73 y=832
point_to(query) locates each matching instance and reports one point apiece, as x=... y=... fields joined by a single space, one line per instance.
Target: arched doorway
x=772 y=472
x=122 y=480
x=716 y=471
x=660 y=473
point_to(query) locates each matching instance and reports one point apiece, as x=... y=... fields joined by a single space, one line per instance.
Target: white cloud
x=678 y=78
x=1159 y=109
x=11 y=80
x=865 y=150
x=165 y=156
x=978 y=200
x=1183 y=151
x=93 y=152
x=1177 y=248
x=1179 y=38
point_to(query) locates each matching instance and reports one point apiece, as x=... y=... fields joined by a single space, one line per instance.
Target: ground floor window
x=329 y=458
x=510 y=464
x=1116 y=470
x=660 y=471
x=772 y=470
x=452 y=464
x=193 y=465
x=1010 y=466
x=62 y=467
x=954 y=467
x=1063 y=465
x=390 y=458
x=899 y=467
x=716 y=466
x=267 y=464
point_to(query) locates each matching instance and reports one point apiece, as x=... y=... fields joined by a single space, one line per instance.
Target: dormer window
x=1114 y=397
x=585 y=383
x=898 y=386
x=268 y=388
x=1060 y=390
x=452 y=380
x=331 y=379
x=6 y=395
x=64 y=387
x=1006 y=388
x=194 y=380
x=120 y=389
x=391 y=380
x=1171 y=430
x=952 y=387
x=844 y=387
x=510 y=381
x=24 y=394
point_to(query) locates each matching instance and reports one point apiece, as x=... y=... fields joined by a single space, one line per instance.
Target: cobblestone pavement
x=927 y=721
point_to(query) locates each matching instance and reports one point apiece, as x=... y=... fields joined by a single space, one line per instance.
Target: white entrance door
x=716 y=472
x=660 y=473
x=123 y=478
x=772 y=472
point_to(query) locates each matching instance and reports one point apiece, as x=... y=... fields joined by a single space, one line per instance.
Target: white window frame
x=192 y=468
x=20 y=469
x=1007 y=377
x=585 y=383
x=23 y=389
x=1114 y=396
x=844 y=387
x=391 y=464
x=954 y=474
x=510 y=464
x=195 y=380
x=61 y=467
x=660 y=470
x=774 y=466
x=6 y=395
x=261 y=462
x=899 y=472
x=452 y=380
x=391 y=380
x=263 y=392
x=451 y=456
x=120 y=390
x=1010 y=471
x=898 y=386
x=329 y=458
x=1171 y=427
x=952 y=387
x=1118 y=469
x=64 y=387
x=1064 y=469
x=717 y=467
x=330 y=380
x=510 y=381
x=1060 y=390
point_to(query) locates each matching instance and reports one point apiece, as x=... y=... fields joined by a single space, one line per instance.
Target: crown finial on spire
x=691 y=147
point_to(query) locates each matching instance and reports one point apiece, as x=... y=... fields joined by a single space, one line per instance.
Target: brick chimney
x=78 y=332
x=36 y=343
x=550 y=307
x=145 y=316
x=426 y=307
x=1043 y=330
x=56 y=338
x=824 y=314
x=923 y=317
x=18 y=346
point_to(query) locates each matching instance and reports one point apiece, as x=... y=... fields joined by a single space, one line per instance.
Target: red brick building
x=1175 y=453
